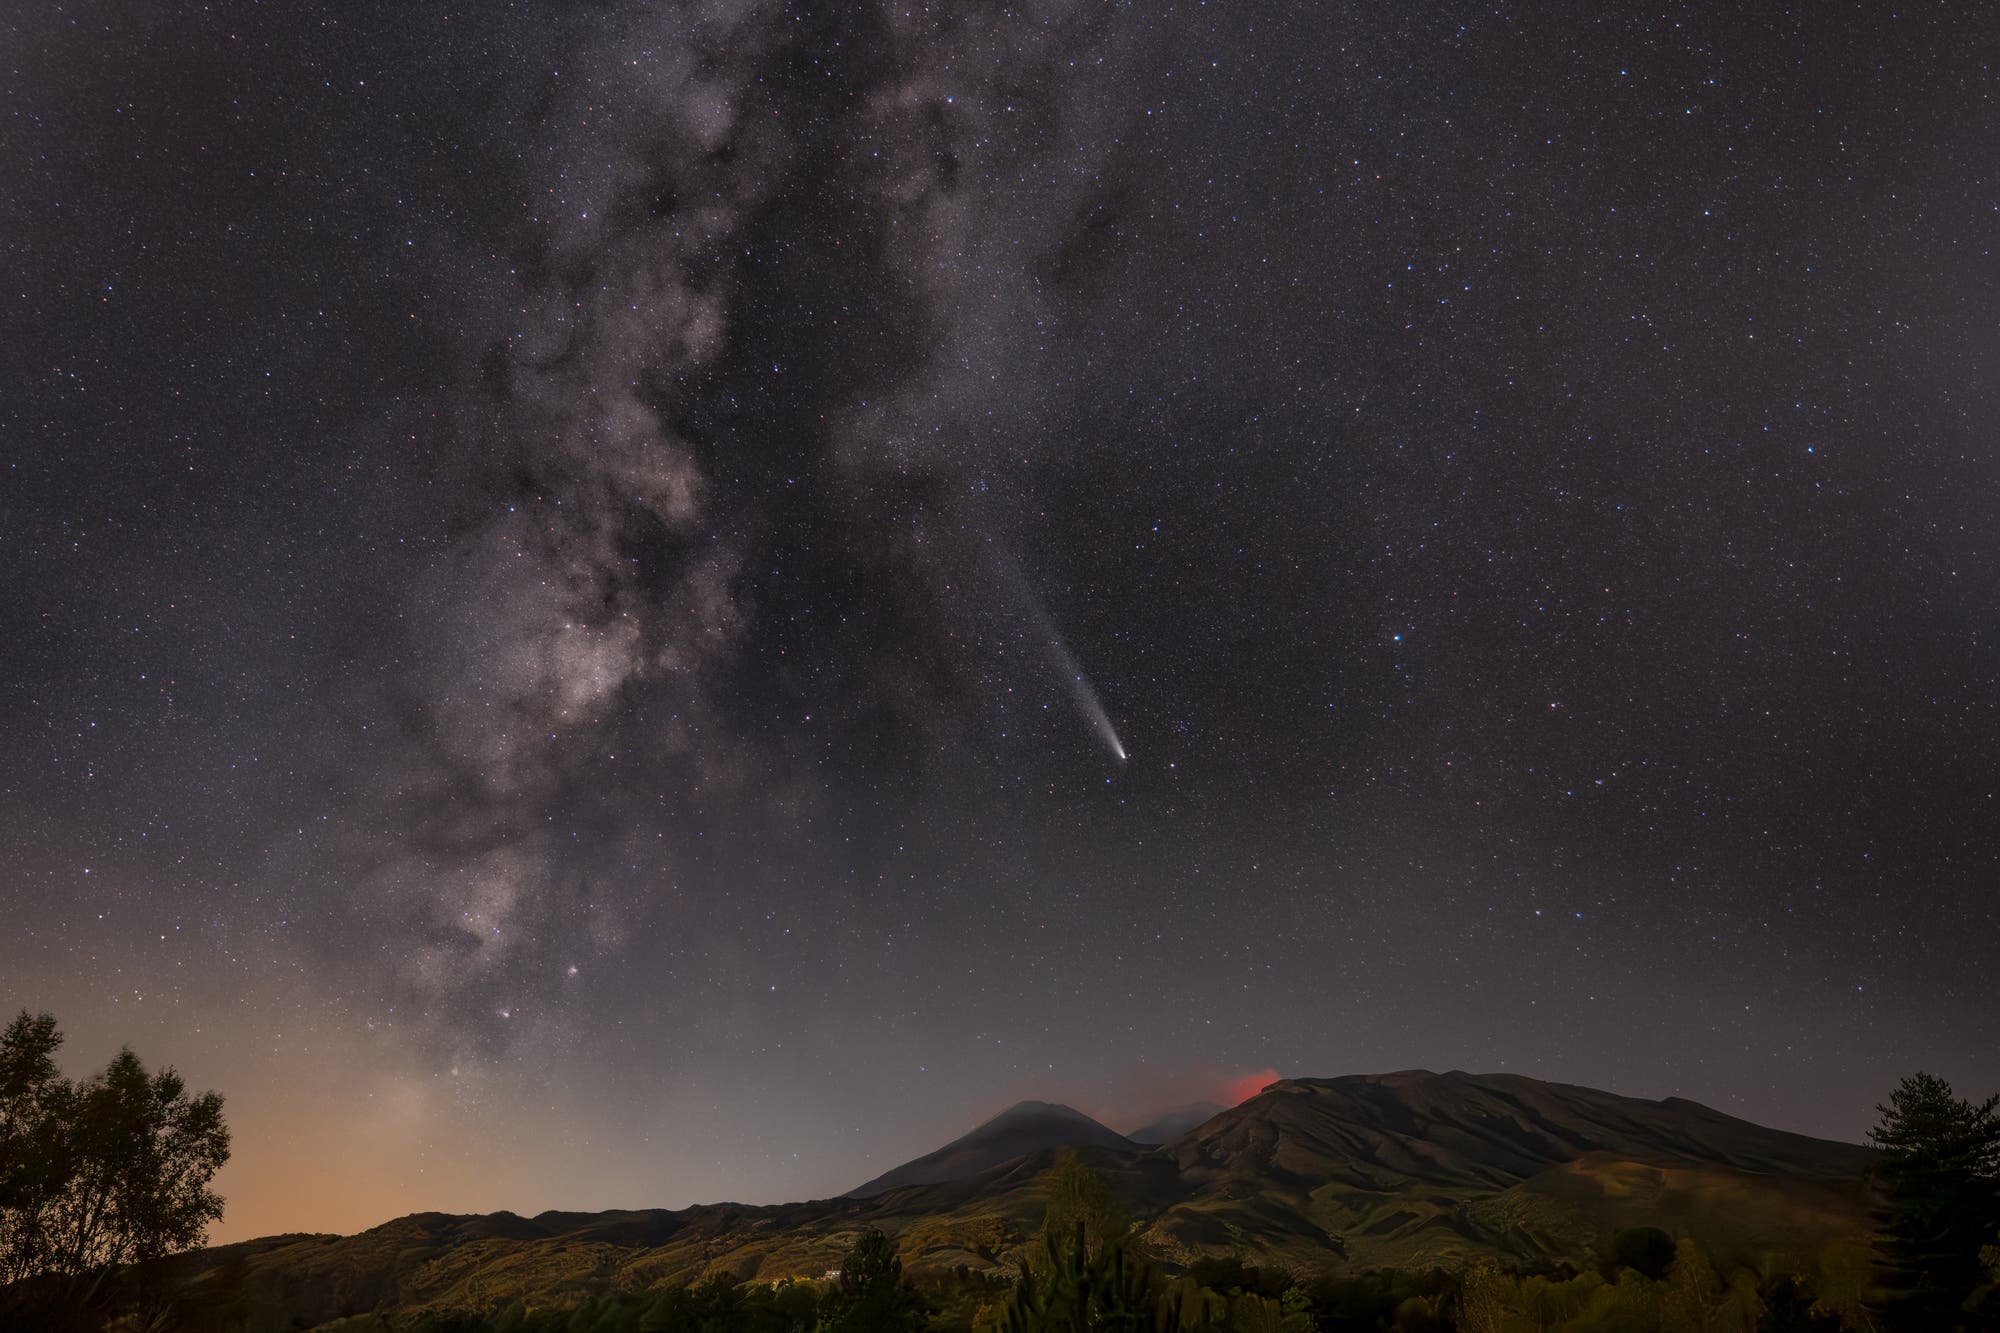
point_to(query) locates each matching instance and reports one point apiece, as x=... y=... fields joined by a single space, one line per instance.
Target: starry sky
x=630 y=604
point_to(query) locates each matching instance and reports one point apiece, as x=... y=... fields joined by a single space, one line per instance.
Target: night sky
x=622 y=605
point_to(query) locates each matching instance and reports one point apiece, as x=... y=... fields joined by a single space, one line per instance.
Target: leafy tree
x=1078 y=1194
x=1229 y=1273
x=1370 y=1301
x=33 y=1159
x=113 y=1170
x=958 y=1298
x=1940 y=1179
x=793 y=1305
x=1221 y=1292
x=718 y=1301
x=1553 y=1302
x=1633 y=1304
x=871 y=1296
x=1844 y=1279
x=1692 y=1290
x=670 y=1312
x=1742 y=1304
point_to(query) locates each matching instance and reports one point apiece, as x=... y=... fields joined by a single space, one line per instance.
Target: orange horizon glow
x=1245 y=1086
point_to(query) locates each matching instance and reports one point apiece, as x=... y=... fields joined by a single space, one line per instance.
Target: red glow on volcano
x=1245 y=1086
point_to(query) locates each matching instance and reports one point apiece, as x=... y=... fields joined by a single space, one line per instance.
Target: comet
x=1080 y=688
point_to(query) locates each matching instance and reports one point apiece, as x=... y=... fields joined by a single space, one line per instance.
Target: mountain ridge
x=1174 y=1122
x=1410 y=1170
x=1025 y=1128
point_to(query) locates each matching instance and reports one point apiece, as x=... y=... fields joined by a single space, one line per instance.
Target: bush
x=113 y=1170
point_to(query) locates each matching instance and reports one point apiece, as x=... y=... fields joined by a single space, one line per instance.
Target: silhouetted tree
x=34 y=1100
x=871 y=1296
x=670 y=1312
x=113 y=1170
x=1940 y=1178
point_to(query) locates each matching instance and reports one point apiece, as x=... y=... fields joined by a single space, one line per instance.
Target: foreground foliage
x=1940 y=1177
x=109 y=1171
x=1073 y=1287
x=1933 y=1264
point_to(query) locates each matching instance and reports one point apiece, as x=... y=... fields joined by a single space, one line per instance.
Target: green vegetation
x=1252 y=1224
x=1940 y=1182
x=94 y=1175
x=1083 y=1275
x=1081 y=1199
x=870 y=1295
x=1074 y=1287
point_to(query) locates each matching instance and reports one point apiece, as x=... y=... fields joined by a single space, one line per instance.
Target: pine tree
x=1940 y=1182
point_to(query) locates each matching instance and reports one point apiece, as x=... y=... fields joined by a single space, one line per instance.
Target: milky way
x=563 y=571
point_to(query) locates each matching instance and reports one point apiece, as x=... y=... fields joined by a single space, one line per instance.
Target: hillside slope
x=1414 y=1168
x=1170 y=1125
x=1408 y=1170
x=1019 y=1131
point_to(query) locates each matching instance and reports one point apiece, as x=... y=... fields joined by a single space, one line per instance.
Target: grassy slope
x=1318 y=1175
x=1416 y=1169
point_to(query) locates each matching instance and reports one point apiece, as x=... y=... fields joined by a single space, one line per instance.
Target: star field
x=625 y=605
